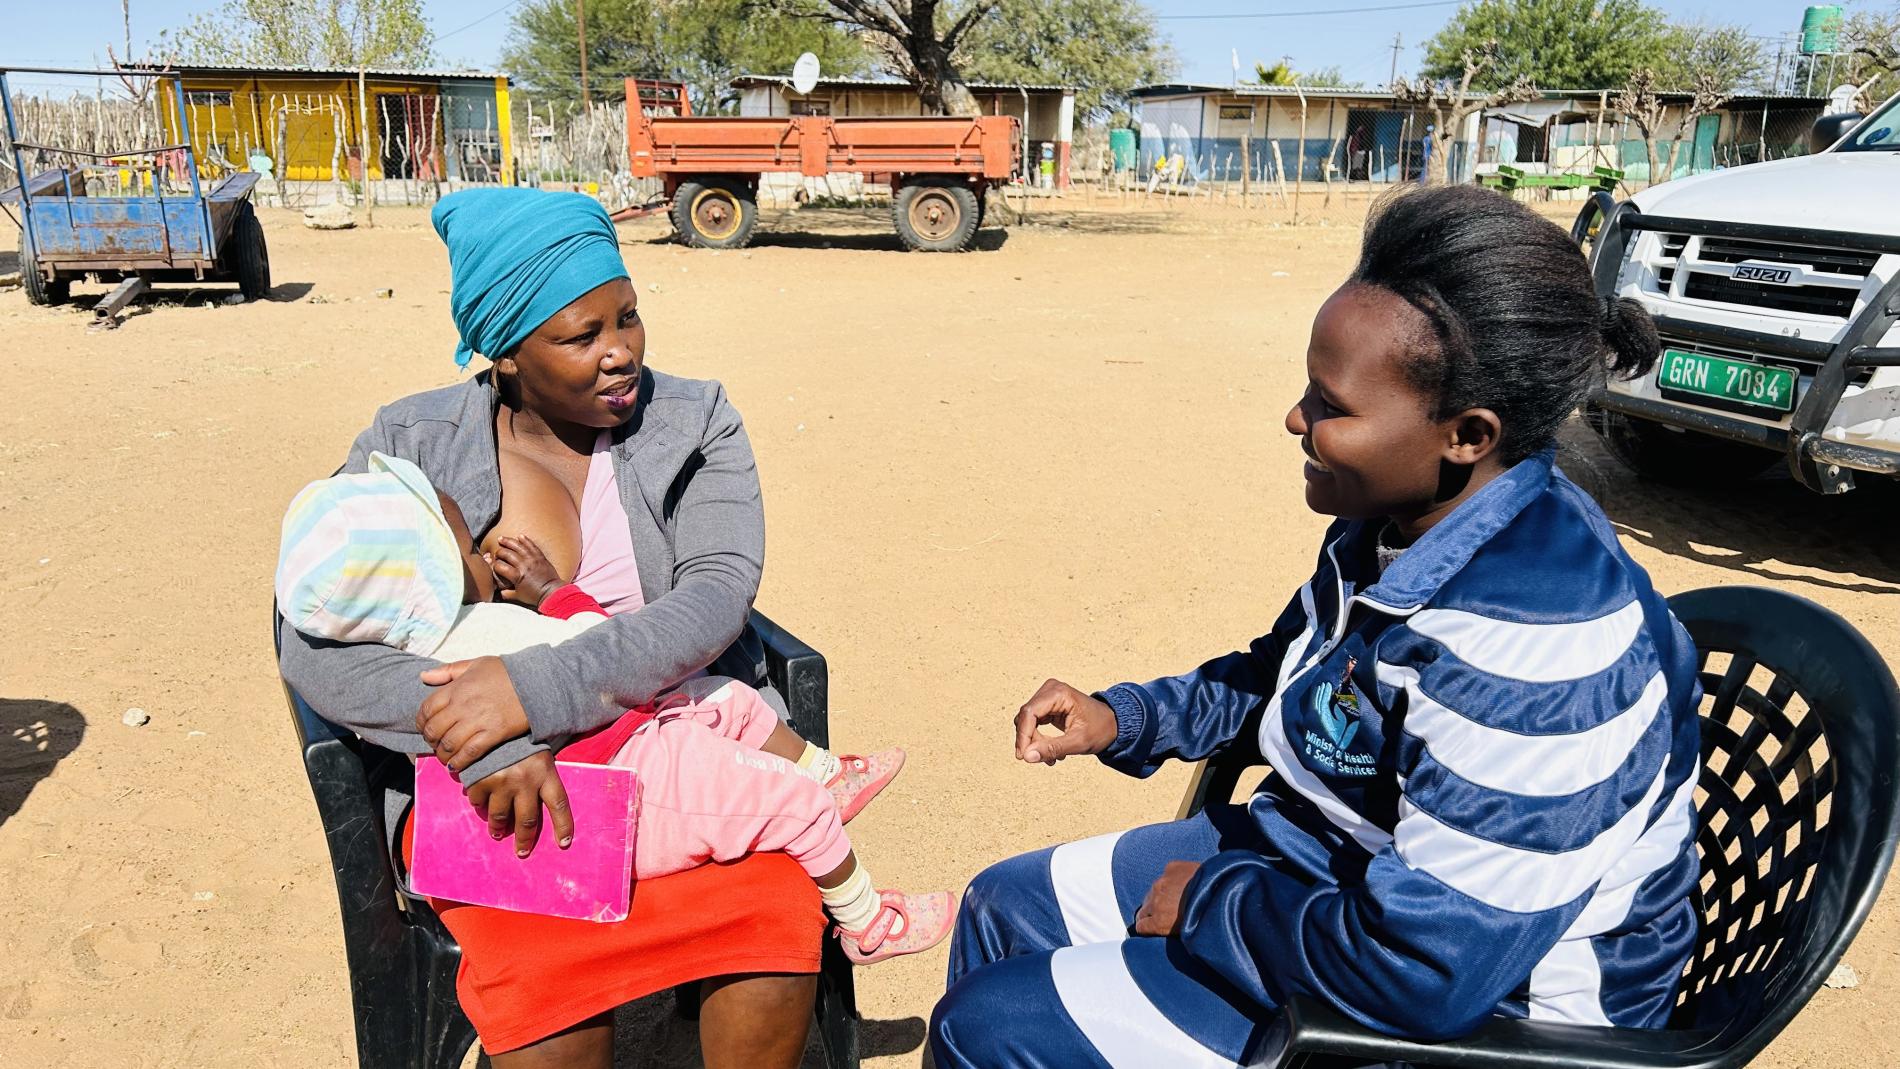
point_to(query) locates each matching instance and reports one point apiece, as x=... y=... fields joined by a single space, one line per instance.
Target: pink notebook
x=591 y=880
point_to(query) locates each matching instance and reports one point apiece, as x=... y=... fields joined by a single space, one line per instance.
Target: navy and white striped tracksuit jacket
x=1481 y=804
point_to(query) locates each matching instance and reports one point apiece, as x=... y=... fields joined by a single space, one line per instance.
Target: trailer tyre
x=38 y=290
x=250 y=259
x=1677 y=457
x=936 y=218
x=714 y=215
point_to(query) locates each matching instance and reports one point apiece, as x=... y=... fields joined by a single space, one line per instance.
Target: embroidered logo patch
x=1336 y=711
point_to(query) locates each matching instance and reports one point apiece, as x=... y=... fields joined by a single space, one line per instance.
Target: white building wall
x=1170 y=126
x=1283 y=118
x=762 y=100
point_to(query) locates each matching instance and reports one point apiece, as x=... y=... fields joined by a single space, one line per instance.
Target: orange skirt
x=525 y=977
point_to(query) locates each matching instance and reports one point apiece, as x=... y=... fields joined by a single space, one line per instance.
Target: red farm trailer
x=938 y=168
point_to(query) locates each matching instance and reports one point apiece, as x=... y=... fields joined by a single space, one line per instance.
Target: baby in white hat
x=382 y=557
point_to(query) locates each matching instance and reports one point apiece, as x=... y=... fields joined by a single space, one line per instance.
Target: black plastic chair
x=1798 y=815
x=403 y=961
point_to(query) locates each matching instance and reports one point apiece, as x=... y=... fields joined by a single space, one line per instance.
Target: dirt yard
x=1059 y=455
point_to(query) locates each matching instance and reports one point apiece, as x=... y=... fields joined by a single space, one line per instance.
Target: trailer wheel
x=714 y=215
x=1677 y=457
x=38 y=290
x=933 y=218
x=249 y=258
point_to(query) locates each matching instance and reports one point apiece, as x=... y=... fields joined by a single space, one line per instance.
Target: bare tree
x=138 y=89
x=1451 y=106
x=1873 y=40
x=1706 y=93
x=1641 y=101
x=905 y=36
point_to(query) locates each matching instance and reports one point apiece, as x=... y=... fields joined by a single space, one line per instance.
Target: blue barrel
x=1121 y=145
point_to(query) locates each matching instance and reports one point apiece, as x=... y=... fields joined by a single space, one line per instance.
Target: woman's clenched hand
x=1160 y=912
x=1086 y=725
x=473 y=709
x=513 y=798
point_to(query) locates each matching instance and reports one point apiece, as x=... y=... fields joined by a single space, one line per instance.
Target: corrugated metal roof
x=1173 y=89
x=310 y=72
x=1785 y=100
x=742 y=81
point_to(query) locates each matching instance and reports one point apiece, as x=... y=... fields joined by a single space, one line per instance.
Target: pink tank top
x=607 y=570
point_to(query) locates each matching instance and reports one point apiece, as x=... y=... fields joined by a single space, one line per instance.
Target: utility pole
x=362 y=113
x=362 y=138
x=580 y=7
x=1395 y=62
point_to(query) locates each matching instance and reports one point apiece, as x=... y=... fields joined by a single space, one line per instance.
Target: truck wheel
x=38 y=290
x=1677 y=457
x=933 y=218
x=714 y=215
x=249 y=259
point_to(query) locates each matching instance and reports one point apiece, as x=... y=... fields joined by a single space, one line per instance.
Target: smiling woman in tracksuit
x=1480 y=715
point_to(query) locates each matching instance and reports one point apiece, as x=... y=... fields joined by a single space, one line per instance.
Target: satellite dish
x=805 y=74
x=1841 y=100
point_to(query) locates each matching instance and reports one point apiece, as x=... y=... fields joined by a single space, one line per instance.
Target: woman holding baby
x=540 y=289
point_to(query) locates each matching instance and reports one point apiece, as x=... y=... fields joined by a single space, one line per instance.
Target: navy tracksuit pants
x=1045 y=975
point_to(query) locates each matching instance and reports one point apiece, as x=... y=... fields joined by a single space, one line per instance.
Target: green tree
x=712 y=41
x=305 y=33
x=703 y=43
x=1102 y=47
x=917 y=40
x=1282 y=74
x=1705 y=56
x=1560 y=44
x=623 y=41
x=1328 y=78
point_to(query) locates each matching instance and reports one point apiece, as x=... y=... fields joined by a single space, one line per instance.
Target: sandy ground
x=1060 y=455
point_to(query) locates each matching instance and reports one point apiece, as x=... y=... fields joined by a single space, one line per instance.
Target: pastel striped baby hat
x=371 y=558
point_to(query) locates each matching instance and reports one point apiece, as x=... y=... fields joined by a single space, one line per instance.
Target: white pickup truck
x=1776 y=288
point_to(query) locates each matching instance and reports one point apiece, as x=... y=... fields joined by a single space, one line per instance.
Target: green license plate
x=1735 y=381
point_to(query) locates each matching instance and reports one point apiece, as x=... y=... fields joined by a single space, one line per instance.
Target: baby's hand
x=524 y=571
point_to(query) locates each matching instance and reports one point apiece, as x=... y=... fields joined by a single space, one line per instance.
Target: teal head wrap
x=516 y=257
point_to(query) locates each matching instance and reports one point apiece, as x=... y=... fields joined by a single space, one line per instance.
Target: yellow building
x=309 y=123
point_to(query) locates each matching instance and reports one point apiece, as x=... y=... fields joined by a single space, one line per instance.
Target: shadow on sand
x=649 y=1034
x=35 y=736
x=1770 y=528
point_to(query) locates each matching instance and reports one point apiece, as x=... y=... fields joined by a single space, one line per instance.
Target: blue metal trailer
x=75 y=221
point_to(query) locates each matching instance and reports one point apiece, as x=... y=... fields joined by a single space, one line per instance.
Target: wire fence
x=310 y=149
x=1379 y=149
x=578 y=148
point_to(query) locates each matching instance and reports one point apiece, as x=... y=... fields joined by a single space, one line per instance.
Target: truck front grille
x=1812 y=300
x=1832 y=261
x=1672 y=246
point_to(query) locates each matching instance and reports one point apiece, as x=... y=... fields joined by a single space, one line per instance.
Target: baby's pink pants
x=708 y=793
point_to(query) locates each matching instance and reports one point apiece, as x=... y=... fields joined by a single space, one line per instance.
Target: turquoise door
x=1703 y=158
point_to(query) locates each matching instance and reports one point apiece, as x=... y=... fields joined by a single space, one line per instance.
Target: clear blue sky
x=75 y=32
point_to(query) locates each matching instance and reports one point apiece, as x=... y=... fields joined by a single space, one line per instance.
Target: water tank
x=1821 y=29
x=1121 y=145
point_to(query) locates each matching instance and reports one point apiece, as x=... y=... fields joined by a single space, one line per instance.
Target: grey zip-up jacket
x=690 y=488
